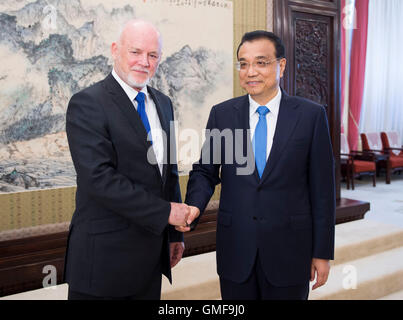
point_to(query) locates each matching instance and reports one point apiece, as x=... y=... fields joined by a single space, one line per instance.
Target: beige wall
x=249 y=15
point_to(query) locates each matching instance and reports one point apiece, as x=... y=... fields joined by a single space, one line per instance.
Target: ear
x=283 y=63
x=114 y=50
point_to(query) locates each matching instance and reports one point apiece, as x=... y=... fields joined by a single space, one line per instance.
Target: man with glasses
x=275 y=225
x=121 y=235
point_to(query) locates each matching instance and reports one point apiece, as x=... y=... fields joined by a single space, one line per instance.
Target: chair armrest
x=401 y=149
x=375 y=150
x=363 y=155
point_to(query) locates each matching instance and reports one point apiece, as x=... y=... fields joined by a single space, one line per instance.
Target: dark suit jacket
x=119 y=233
x=289 y=214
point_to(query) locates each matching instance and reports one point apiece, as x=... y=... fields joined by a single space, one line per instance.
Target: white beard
x=135 y=84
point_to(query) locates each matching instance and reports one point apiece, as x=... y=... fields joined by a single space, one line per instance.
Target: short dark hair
x=262 y=34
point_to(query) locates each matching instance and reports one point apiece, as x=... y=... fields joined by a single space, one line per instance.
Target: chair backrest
x=344 y=148
x=391 y=139
x=371 y=141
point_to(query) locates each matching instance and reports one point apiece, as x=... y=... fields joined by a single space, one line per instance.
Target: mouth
x=253 y=83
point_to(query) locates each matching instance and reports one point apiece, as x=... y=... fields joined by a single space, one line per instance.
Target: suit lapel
x=165 y=127
x=124 y=104
x=286 y=122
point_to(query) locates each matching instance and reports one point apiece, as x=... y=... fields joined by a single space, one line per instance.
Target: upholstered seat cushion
x=363 y=166
x=396 y=161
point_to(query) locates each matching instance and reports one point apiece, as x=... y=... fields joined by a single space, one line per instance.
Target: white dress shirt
x=271 y=119
x=152 y=115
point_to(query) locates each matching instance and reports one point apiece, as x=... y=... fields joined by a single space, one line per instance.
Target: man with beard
x=122 y=235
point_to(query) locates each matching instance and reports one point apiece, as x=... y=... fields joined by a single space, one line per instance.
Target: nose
x=251 y=70
x=143 y=60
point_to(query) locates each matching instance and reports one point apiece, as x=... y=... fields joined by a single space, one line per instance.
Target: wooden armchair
x=371 y=142
x=355 y=163
x=392 y=145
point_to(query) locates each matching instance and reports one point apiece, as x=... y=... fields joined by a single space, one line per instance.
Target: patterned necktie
x=260 y=140
x=141 y=109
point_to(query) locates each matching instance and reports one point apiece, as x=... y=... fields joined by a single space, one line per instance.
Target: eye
x=243 y=65
x=261 y=63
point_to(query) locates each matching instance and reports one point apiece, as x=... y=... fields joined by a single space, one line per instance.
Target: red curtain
x=343 y=61
x=357 y=71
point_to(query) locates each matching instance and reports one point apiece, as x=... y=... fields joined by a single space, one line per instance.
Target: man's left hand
x=175 y=252
x=321 y=268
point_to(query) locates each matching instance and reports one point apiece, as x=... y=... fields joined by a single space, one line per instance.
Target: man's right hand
x=179 y=214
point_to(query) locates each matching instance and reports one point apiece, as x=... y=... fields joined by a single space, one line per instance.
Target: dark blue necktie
x=260 y=140
x=141 y=109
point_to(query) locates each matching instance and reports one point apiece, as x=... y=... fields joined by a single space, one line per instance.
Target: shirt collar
x=131 y=93
x=273 y=104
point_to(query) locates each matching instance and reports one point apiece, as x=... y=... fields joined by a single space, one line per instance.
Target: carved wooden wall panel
x=311 y=60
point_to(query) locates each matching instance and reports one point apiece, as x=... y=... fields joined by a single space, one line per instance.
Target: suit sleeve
x=95 y=162
x=322 y=189
x=204 y=175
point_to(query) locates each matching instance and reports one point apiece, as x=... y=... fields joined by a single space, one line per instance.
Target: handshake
x=182 y=215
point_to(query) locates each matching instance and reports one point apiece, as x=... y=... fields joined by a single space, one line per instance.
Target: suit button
x=254 y=218
x=259 y=188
